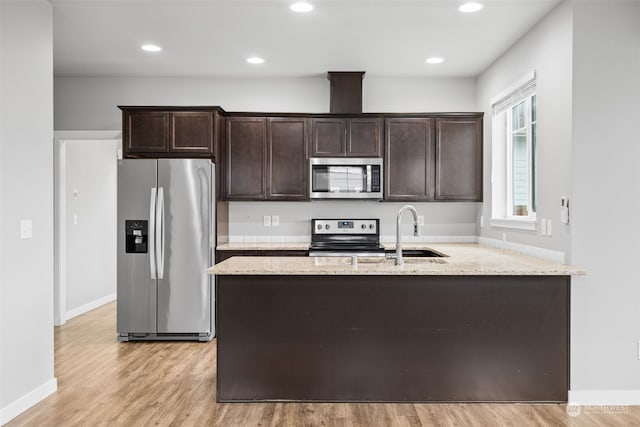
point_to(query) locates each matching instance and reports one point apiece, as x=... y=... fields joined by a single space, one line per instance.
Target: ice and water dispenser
x=137 y=236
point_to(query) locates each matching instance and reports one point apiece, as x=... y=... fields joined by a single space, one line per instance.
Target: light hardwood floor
x=105 y=383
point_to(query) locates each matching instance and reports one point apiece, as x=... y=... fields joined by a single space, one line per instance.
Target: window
x=514 y=156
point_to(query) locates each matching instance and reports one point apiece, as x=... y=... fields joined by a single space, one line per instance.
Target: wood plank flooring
x=105 y=383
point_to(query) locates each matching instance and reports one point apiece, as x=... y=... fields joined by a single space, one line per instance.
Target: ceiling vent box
x=346 y=91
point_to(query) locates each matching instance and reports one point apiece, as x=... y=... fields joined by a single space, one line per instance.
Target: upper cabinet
x=168 y=132
x=287 y=171
x=340 y=137
x=408 y=165
x=459 y=159
x=266 y=158
x=433 y=158
x=245 y=158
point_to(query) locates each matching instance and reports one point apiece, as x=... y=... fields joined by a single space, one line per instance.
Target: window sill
x=526 y=224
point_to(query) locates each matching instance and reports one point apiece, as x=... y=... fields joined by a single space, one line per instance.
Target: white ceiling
x=385 y=38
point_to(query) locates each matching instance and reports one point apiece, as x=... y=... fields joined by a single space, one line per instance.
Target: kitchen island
x=476 y=325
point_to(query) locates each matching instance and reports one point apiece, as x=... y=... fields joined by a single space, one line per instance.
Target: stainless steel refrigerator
x=166 y=242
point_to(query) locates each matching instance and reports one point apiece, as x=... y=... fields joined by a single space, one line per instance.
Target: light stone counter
x=273 y=246
x=466 y=259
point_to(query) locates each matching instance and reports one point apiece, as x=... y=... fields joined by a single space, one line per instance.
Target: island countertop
x=468 y=259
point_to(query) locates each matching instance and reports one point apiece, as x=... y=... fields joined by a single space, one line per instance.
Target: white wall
x=547 y=50
x=26 y=192
x=89 y=197
x=606 y=147
x=443 y=221
x=91 y=102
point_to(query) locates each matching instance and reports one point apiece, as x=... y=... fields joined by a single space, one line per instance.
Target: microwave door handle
x=368 y=174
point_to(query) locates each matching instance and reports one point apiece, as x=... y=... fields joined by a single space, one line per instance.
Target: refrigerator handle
x=152 y=237
x=160 y=233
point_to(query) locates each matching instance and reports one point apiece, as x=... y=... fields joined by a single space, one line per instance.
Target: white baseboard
x=89 y=306
x=604 y=397
x=548 y=254
x=17 y=407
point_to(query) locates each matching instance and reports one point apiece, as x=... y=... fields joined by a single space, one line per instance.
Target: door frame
x=59 y=210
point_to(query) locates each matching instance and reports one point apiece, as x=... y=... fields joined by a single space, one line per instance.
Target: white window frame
x=502 y=144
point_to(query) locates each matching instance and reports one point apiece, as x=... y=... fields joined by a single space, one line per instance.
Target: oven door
x=345 y=178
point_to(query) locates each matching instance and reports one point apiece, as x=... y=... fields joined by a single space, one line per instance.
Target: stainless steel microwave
x=345 y=178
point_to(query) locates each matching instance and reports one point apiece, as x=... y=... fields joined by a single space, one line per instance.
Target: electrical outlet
x=26 y=229
x=420 y=219
x=549 y=227
x=267 y=221
x=275 y=220
x=543 y=227
x=481 y=221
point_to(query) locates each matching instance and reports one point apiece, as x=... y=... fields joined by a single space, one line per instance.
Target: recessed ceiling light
x=435 y=60
x=151 y=48
x=255 y=60
x=301 y=7
x=471 y=7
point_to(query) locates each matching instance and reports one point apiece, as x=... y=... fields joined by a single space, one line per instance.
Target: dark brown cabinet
x=191 y=132
x=164 y=132
x=245 y=158
x=433 y=158
x=459 y=159
x=266 y=158
x=287 y=164
x=145 y=132
x=337 y=137
x=409 y=159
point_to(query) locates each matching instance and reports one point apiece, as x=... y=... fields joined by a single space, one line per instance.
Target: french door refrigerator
x=166 y=242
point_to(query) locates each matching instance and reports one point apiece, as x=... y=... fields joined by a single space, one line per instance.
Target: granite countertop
x=272 y=246
x=470 y=259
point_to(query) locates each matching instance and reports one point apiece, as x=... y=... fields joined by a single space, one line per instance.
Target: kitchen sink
x=416 y=253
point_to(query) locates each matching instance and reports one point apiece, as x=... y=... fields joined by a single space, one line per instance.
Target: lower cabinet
x=266 y=159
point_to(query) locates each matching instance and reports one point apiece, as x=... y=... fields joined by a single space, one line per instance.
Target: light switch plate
x=420 y=219
x=267 y=221
x=275 y=220
x=26 y=229
x=549 y=227
x=543 y=227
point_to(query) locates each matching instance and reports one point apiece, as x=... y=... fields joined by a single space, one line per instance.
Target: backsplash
x=443 y=222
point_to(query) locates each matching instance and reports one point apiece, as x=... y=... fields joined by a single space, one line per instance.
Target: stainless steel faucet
x=416 y=231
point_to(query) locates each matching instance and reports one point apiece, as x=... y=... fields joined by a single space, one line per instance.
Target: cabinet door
x=409 y=159
x=287 y=163
x=364 y=138
x=192 y=132
x=459 y=159
x=328 y=138
x=146 y=132
x=245 y=158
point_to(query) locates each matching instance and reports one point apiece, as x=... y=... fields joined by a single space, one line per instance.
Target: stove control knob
x=371 y=226
x=364 y=226
x=326 y=226
x=319 y=226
